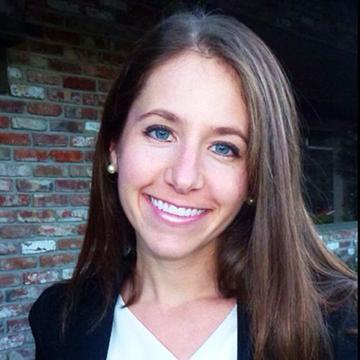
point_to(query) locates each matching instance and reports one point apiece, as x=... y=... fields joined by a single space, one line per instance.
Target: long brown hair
x=270 y=257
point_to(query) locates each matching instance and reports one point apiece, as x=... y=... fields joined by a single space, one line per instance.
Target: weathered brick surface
x=43 y=77
x=5 y=154
x=11 y=106
x=66 y=96
x=31 y=185
x=50 y=200
x=14 y=200
x=14 y=139
x=79 y=83
x=27 y=91
x=41 y=277
x=21 y=122
x=50 y=140
x=44 y=109
x=4 y=122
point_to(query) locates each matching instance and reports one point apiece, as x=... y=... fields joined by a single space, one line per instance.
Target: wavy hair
x=270 y=258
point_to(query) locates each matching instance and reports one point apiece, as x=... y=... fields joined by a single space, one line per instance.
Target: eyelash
x=234 y=149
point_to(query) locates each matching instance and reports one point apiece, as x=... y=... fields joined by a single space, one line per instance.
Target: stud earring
x=111 y=169
x=250 y=201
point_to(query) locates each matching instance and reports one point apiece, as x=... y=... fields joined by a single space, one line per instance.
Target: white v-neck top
x=131 y=340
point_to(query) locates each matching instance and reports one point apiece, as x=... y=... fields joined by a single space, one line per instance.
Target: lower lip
x=171 y=218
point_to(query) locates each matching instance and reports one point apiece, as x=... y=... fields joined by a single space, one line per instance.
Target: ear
x=113 y=153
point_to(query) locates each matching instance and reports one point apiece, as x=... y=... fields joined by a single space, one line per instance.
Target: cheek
x=137 y=165
x=231 y=187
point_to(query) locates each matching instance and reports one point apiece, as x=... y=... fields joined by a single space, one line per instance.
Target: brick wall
x=58 y=79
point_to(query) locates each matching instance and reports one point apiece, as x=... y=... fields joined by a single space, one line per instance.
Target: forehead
x=194 y=87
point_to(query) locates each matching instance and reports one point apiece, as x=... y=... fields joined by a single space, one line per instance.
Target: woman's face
x=182 y=157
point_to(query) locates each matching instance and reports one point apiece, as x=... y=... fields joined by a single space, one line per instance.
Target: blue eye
x=226 y=150
x=158 y=133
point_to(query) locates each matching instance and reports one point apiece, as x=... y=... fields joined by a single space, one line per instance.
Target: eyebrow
x=222 y=130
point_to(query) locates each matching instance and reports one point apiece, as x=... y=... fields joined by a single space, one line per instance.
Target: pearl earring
x=111 y=169
x=250 y=201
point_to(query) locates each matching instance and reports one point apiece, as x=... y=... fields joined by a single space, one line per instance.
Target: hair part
x=270 y=257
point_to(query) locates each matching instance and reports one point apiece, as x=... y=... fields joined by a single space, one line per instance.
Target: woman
x=198 y=244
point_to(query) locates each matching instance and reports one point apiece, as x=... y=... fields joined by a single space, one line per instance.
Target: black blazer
x=80 y=344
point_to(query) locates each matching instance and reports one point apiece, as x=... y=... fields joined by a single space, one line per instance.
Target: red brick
x=18 y=263
x=112 y=58
x=30 y=155
x=4 y=122
x=43 y=48
x=40 y=277
x=15 y=325
x=80 y=200
x=69 y=244
x=7 y=216
x=17 y=231
x=80 y=113
x=65 y=37
x=8 y=248
x=64 y=66
x=14 y=139
x=14 y=200
x=64 y=96
x=12 y=106
x=7 y=280
x=43 y=77
x=42 y=200
x=57 y=260
x=31 y=185
x=101 y=71
x=66 y=155
x=36 y=216
x=46 y=109
x=49 y=170
x=50 y=140
x=72 y=185
x=79 y=83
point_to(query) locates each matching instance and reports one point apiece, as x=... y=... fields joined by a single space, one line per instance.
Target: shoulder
x=51 y=297
x=44 y=318
x=343 y=329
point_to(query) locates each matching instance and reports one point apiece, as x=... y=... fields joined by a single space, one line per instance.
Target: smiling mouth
x=184 y=212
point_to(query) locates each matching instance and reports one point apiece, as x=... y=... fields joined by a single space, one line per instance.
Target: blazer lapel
x=244 y=351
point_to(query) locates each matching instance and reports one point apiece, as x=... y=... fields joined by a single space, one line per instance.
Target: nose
x=184 y=173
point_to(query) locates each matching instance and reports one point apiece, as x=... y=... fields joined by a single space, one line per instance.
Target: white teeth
x=172 y=209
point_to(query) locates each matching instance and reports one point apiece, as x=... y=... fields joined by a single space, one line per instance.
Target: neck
x=176 y=281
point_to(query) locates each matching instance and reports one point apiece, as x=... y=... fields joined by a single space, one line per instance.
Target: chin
x=174 y=249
